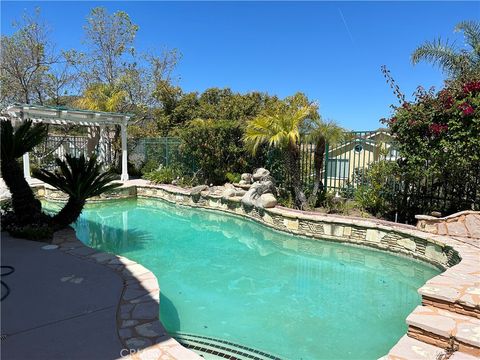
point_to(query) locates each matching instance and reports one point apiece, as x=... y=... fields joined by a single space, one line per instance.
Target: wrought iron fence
x=346 y=163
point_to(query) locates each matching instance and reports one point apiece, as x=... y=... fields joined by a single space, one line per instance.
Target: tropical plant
x=322 y=133
x=80 y=179
x=280 y=128
x=448 y=57
x=15 y=143
x=102 y=97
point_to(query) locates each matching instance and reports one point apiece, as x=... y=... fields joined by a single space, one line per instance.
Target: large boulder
x=253 y=197
x=260 y=174
x=266 y=201
x=250 y=197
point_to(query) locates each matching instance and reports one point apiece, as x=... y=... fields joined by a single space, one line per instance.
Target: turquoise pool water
x=230 y=278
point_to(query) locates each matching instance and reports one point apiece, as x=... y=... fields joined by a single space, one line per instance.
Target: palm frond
x=444 y=55
x=16 y=142
x=471 y=31
x=78 y=177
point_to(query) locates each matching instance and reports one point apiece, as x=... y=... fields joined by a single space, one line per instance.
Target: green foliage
x=216 y=148
x=78 y=177
x=280 y=127
x=438 y=139
x=377 y=193
x=149 y=166
x=16 y=143
x=233 y=177
x=163 y=175
x=453 y=60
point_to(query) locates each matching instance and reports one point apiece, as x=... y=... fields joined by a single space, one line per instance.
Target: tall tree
x=110 y=39
x=451 y=59
x=31 y=70
x=26 y=57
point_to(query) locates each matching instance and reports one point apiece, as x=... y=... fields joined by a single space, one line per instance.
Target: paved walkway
x=59 y=307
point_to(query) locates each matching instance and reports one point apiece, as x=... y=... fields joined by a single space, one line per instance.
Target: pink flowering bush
x=438 y=137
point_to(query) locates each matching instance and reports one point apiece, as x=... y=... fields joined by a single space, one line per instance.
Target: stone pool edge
x=456 y=289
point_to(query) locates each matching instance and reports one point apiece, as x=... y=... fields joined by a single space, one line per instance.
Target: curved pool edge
x=456 y=290
x=138 y=326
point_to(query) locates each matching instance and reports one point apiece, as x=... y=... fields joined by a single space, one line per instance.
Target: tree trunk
x=318 y=165
x=293 y=167
x=69 y=214
x=26 y=207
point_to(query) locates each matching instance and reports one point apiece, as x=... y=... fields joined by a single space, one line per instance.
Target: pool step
x=454 y=290
x=408 y=348
x=445 y=329
x=213 y=348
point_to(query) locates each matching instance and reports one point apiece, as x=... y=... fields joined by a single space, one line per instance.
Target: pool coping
x=457 y=286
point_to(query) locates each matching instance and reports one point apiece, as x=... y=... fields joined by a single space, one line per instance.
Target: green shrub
x=378 y=195
x=216 y=148
x=233 y=177
x=164 y=175
x=149 y=166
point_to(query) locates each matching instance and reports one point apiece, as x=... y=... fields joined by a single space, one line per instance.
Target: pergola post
x=102 y=145
x=123 y=128
x=26 y=167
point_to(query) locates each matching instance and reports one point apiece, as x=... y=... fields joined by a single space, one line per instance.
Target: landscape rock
x=228 y=193
x=260 y=174
x=250 y=197
x=266 y=201
x=246 y=178
x=198 y=189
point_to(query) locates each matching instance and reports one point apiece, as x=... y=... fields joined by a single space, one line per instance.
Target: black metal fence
x=346 y=163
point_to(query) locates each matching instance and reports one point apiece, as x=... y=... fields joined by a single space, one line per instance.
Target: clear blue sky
x=331 y=51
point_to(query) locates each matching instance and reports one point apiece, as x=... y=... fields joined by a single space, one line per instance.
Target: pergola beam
x=64 y=116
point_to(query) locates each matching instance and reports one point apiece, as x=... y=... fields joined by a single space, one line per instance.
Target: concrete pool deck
x=72 y=302
x=51 y=312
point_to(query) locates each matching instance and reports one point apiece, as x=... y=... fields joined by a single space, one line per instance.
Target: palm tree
x=15 y=143
x=102 y=97
x=280 y=128
x=448 y=57
x=109 y=98
x=322 y=133
x=80 y=179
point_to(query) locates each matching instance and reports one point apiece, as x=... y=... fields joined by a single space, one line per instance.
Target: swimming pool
x=230 y=278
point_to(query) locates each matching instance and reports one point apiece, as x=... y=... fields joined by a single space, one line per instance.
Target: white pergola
x=63 y=116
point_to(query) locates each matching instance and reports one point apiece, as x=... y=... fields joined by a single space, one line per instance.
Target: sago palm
x=15 y=143
x=281 y=129
x=80 y=179
x=448 y=57
x=322 y=133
